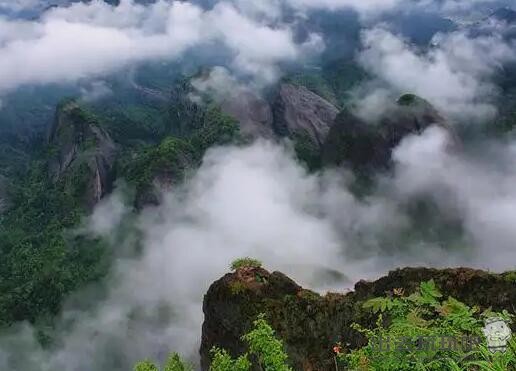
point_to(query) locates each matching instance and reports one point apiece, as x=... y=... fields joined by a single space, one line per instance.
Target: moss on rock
x=311 y=324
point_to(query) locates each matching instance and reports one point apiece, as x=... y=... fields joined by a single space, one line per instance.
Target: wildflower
x=337 y=349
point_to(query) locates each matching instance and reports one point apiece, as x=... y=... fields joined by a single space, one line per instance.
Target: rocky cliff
x=82 y=153
x=311 y=324
x=368 y=146
x=253 y=113
x=299 y=114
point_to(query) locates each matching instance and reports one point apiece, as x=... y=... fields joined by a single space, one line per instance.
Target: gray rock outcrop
x=299 y=113
x=83 y=153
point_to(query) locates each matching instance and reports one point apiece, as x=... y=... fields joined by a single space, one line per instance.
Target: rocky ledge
x=310 y=324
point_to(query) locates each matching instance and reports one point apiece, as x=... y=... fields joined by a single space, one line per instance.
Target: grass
x=245 y=263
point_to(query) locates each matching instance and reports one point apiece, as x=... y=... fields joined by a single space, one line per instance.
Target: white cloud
x=257 y=201
x=17 y=5
x=107 y=216
x=87 y=40
x=218 y=84
x=455 y=75
x=477 y=189
x=363 y=6
x=95 y=90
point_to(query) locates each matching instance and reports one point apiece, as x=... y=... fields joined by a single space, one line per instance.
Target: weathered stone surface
x=81 y=149
x=311 y=324
x=253 y=113
x=299 y=113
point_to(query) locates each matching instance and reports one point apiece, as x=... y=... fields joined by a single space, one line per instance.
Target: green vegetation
x=408 y=99
x=263 y=345
x=308 y=152
x=217 y=128
x=245 y=263
x=510 y=276
x=133 y=124
x=41 y=263
x=174 y=156
x=42 y=260
x=222 y=361
x=264 y=349
x=405 y=323
x=174 y=363
x=238 y=288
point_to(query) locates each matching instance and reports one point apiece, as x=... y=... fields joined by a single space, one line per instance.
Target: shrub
x=411 y=321
x=245 y=263
x=237 y=288
x=263 y=344
x=174 y=363
x=408 y=99
x=266 y=347
x=145 y=366
x=222 y=361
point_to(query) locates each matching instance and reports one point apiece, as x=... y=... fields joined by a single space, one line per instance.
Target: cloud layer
x=85 y=40
x=258 y=201
x=455 y=74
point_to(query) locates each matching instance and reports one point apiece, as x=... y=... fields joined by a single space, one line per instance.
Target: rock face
x=310 y=324
x=299 y=113
x=83 y=153
x=253 y=113
x=368 y=146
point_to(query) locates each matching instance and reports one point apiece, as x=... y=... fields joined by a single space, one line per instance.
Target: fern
x=379 y=304
x=417 y=318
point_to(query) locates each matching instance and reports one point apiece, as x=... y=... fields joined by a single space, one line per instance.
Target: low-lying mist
x=258 y=201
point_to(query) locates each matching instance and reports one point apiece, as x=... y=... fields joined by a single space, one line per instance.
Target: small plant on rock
x=245 y=263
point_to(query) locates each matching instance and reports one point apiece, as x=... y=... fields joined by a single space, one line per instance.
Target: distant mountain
x=504 y=14
x=365 y=146
x=420 y=27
